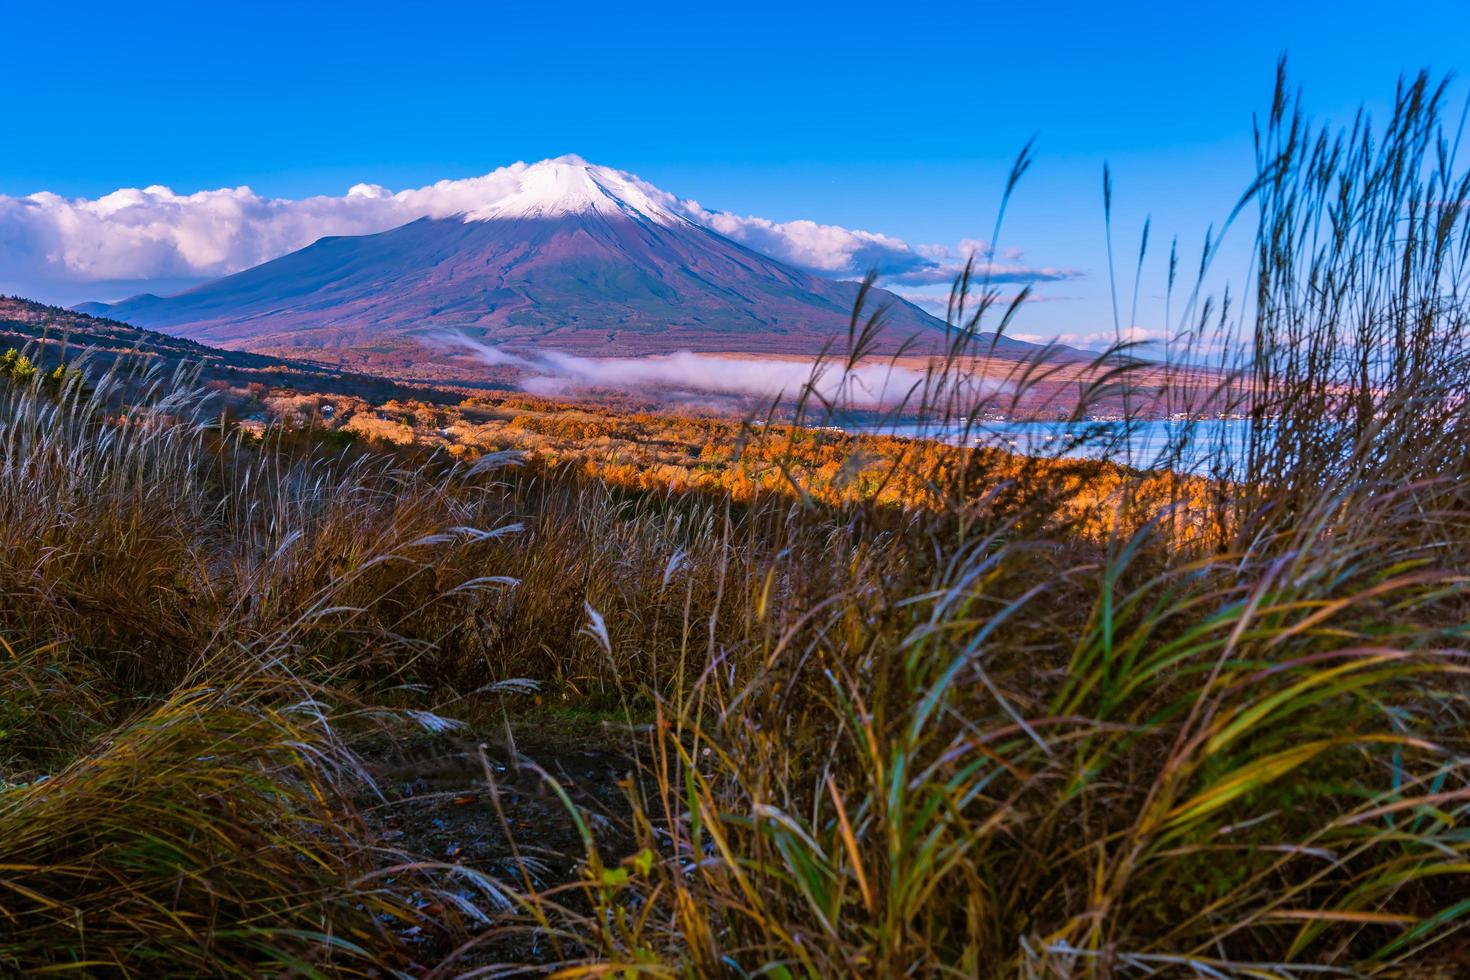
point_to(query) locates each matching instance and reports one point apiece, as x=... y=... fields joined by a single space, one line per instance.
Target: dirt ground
x=479 y=801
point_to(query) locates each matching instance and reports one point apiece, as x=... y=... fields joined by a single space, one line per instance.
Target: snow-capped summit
x=570 y=185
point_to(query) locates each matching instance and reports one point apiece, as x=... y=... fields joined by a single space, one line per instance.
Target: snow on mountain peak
x=569 y=185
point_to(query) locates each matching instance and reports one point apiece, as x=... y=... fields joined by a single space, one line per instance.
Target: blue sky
x=900 y=121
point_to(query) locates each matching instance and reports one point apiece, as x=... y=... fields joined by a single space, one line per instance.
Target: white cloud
x=844 y=252
x=155 y=233
x=1143 y=339
x=822 y=248
x=136 y=236
x=936 y=300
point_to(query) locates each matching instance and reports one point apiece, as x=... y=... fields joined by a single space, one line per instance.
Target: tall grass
x=1060 y=720
x=993 y=747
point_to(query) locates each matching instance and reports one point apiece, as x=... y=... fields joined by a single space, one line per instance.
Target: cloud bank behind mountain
x=154 y=239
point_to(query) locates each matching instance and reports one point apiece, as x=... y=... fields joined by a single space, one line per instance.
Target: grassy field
x=1025 y=719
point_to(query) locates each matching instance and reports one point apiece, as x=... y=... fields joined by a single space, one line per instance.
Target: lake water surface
x=1193 y=446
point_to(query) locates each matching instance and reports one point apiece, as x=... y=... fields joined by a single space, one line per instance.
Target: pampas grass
x=1055 y=719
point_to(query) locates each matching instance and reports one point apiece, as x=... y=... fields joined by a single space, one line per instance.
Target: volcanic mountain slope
x=580 y=258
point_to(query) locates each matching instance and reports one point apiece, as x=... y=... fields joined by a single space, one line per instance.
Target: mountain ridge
x=577 y=258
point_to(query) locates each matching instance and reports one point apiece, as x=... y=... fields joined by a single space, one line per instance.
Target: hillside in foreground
x=55 y=335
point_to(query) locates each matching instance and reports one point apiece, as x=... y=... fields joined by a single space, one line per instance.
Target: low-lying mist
x=869 y=385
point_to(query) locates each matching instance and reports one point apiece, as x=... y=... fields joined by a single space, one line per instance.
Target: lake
x=1191 y=446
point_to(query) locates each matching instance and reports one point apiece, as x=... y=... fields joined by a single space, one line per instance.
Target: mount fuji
x=576 y=258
